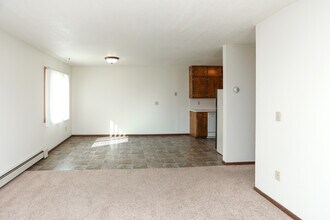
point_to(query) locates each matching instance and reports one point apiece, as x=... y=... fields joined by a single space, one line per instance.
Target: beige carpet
x=181 y=193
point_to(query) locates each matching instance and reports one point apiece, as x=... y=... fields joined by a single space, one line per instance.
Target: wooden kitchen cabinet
x=213 y=84
x=214 y=70
x=198 y=124
x=204 y=81
x=198 y=70
x=198 y=87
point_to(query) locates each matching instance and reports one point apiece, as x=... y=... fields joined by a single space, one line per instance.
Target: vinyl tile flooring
x=139 y=152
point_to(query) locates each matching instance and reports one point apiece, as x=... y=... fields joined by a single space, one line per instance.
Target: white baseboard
x=7 y=177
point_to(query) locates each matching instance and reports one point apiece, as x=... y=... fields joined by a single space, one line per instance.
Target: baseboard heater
x=7 y=177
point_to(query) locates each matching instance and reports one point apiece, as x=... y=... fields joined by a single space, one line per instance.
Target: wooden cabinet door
x=199 y=88
x=197 y=81
x=198 y=124
x=214 y=70
x=213 y=84
x=202 y=124
x=198 y=70
x=204 y=81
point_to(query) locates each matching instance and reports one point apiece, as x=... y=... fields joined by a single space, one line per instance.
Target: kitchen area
x=205 y=103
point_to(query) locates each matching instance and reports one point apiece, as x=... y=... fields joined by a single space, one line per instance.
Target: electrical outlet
x=198 y=103
x=66 y=128
x=156 y=103
x=277 y=175
x=175 y=94
x=278 y=116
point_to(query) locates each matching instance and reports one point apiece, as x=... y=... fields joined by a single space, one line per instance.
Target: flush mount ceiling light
x=111 y=59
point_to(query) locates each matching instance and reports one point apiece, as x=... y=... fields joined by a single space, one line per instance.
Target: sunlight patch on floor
x=104 y=141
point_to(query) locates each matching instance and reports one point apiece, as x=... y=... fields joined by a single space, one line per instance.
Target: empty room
x=163 y=109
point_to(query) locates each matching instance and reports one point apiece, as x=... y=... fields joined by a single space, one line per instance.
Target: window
x=57 y=97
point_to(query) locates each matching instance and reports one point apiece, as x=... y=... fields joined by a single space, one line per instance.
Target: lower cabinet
x=198 y=124
x=202 y=124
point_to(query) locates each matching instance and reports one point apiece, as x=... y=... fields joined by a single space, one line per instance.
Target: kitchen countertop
x=203 y=110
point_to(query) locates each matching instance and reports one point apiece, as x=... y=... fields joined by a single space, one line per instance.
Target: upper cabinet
x=204 y=81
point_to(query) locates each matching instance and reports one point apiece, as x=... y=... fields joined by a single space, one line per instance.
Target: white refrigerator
x=219 y=127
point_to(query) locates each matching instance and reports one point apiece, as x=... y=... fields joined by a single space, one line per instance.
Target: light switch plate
x=277 y=175
x=278 y=116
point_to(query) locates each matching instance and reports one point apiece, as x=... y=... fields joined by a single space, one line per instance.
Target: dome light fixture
x=111 y=59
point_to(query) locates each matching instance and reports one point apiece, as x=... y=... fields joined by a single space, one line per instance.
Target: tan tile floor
x=139 y=152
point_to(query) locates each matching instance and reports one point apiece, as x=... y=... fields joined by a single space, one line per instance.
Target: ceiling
x=143 y=32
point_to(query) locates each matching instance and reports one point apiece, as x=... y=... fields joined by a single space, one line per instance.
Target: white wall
x=22 y=131
x=127 y=96
x=293 y=77
x=202 y=103
x=239 y=108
